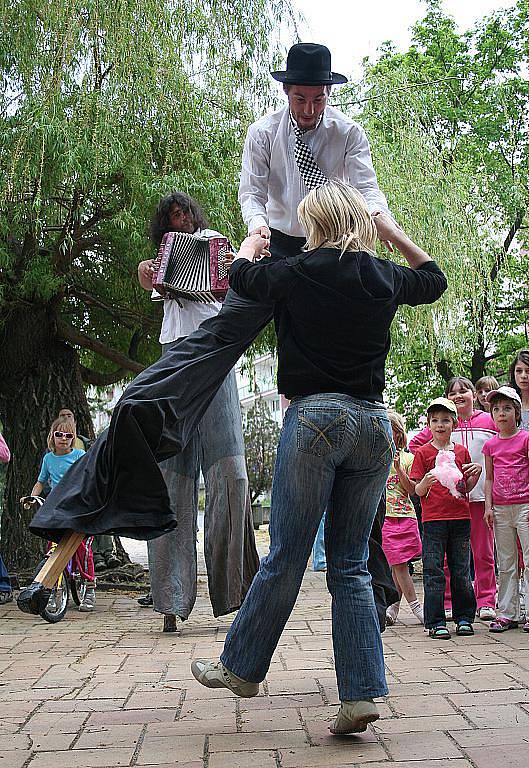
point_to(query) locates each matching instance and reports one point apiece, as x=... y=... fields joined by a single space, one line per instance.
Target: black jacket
x=333 y=315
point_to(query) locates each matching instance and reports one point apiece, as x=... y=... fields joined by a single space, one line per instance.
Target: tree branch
x=116 y=311
x=97 y=379
x=69 y=333
x=502 y=253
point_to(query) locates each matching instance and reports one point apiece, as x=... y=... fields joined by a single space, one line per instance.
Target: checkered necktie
x=309 y=170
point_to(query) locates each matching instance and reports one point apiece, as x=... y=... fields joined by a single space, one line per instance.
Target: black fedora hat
x=309 y=64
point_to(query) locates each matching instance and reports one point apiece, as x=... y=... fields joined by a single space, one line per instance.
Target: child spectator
x=473 y=429
x=6 y=593
x=55 y=464
x=483 y=386
x=507 y=503
x=400 y=534
x=446 y=521
x=519 y=377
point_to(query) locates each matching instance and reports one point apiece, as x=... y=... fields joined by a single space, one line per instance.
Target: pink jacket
x=473 y=434
x=5 y=453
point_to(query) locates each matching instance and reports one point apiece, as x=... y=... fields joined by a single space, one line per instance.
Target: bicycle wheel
x=57 y=604
x=77 y=588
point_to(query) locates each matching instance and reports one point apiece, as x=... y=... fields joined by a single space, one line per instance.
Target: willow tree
x=105 y=107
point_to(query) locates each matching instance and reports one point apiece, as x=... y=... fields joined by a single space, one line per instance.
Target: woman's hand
x=253 y=247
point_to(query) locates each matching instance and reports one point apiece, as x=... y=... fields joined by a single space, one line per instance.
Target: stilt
x=33 y=599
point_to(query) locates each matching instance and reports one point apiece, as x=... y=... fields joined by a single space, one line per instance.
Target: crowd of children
x=470 y=469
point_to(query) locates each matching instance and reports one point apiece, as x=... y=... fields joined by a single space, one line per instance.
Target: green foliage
x=261 y=436
x=108 y=106
x=448 y=123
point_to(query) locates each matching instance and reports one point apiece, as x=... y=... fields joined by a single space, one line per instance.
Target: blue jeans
x=319 y=563
x=334 y=453
x=450 y=537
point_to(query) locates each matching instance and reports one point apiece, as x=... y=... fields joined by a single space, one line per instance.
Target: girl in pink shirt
x=507 y=503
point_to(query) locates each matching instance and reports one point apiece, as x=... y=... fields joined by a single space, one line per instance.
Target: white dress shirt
x=179 y=321
x=271 y=187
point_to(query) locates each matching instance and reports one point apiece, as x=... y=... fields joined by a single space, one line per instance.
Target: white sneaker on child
x=89 y=600
x=487 y=613
x=392 y=611
x=417 y=610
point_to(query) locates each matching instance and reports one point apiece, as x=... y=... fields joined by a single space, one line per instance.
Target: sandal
x=5 y=597
x=464 y=628
x=501 y=624
x=439 y=633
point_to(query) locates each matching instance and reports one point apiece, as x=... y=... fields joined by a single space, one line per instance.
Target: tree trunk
x=39 y=376
x=477 y=369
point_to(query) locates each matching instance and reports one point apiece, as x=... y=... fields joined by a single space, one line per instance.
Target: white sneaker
x=487 y=613
x=448 y=614
x=354 y=716
x=213 y=674
x=418 y=612
x=392 y=611
x=89 y=601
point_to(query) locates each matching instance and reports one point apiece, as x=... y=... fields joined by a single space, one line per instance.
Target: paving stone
x=493 y=737
x=349 y=751
x=263 y=740
x=494 y=756
x=109 y=736
x=495 y=716
x=432 y=704
x=421 y=746
x=162 y=749
x=83 y=758
x=261 y=759
x=14 y=759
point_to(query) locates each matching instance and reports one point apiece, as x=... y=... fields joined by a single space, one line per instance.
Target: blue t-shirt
x=54 y=467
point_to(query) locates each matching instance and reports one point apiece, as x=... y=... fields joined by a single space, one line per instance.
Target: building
x=257 y=379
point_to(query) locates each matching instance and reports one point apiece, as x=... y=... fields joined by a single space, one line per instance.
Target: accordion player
x=192 y=267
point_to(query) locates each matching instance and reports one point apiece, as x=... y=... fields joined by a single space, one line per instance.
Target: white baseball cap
x=508 y=392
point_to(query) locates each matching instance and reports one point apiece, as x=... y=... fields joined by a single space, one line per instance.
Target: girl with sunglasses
x=55 y=464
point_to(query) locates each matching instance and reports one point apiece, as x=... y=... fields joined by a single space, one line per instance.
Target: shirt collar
x=294 y=125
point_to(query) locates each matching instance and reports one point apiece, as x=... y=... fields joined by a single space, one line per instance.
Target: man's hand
x=146 y=273
x=253 y=247
x=264 y=231
x=488 y=517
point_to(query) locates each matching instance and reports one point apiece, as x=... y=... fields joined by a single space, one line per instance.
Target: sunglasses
x=67 y=435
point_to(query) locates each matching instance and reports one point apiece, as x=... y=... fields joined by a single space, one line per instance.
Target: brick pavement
x=109 y=689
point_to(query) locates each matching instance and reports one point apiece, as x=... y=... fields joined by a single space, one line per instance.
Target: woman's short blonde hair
x=61 y=425
x=399 y=426
x=335 y=215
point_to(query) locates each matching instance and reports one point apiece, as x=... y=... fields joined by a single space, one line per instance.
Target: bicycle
x=70 y=583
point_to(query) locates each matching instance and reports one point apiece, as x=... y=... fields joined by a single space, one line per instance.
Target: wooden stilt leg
x=34 y=598
x=58 y=560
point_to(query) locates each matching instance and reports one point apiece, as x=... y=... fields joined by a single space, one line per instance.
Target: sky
x=353 y=30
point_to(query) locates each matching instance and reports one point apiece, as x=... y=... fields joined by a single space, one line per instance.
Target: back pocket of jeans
x=320 y=430
x=383 y=446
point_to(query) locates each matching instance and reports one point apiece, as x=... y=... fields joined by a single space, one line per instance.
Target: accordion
x=192 y=267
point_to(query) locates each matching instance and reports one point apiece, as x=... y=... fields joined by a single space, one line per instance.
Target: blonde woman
x=334 y=305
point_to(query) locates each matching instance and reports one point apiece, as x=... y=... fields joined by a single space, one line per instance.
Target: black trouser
x=384 y=590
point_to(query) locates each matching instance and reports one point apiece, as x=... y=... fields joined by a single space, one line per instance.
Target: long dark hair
x=160 y=219
x=522 y=356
